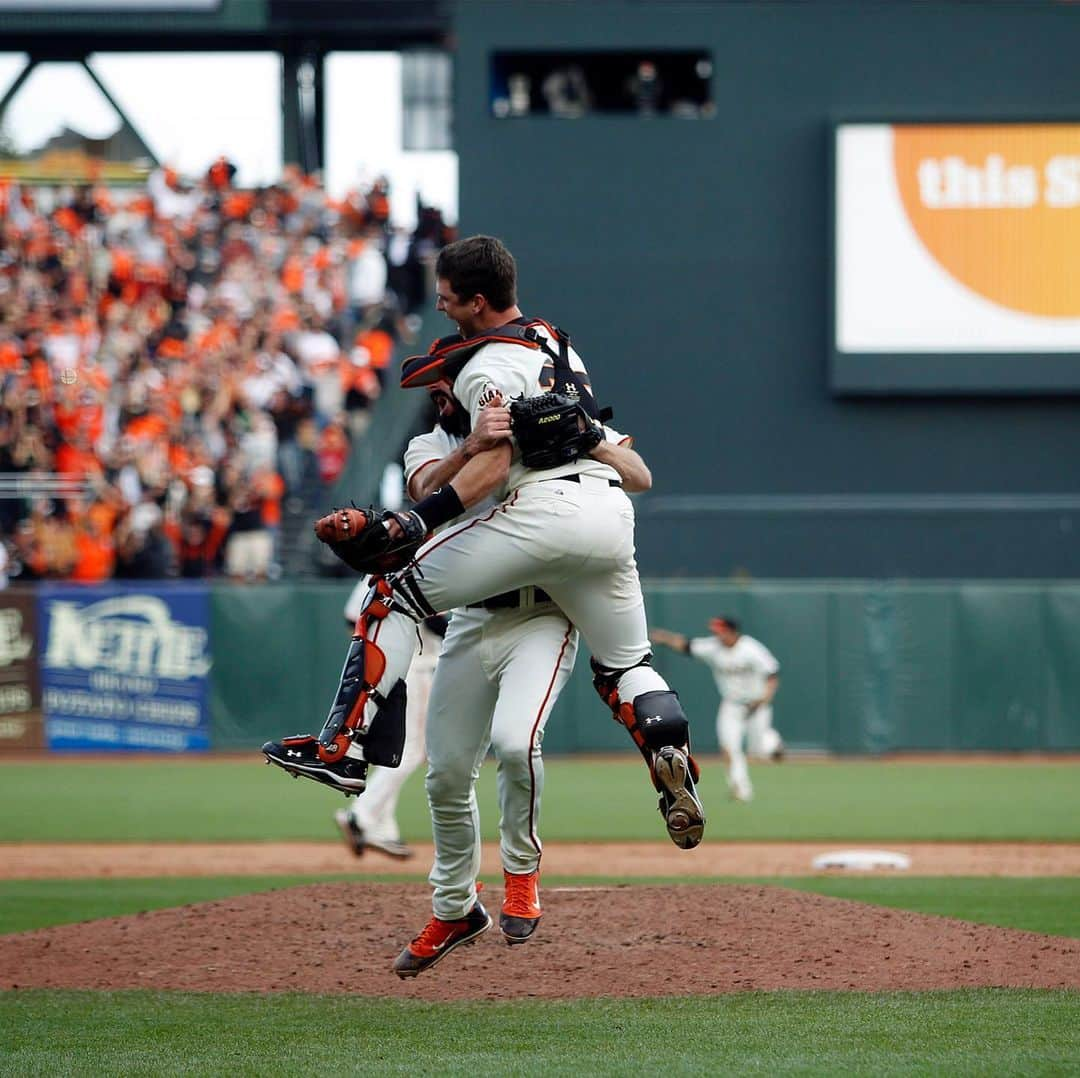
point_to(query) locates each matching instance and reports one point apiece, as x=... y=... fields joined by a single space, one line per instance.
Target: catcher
x=563 y=524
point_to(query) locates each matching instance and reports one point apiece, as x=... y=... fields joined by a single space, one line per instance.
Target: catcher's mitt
x=359 y=537
x=551 y=429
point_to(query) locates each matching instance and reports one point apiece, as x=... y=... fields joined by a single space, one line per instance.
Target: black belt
x=575 y=478
x=511 y=600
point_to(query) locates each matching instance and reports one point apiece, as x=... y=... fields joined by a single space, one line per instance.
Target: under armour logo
x=651 y=720
x=290 y=752
x=571 y=390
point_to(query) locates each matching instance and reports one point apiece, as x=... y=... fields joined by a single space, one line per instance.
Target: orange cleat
x=521 y=906
x=438 y=939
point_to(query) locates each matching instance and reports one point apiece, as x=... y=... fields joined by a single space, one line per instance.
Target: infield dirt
x=593 y=941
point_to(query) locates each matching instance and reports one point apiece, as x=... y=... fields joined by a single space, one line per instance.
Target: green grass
x=1050 y=905
x=981 y=1032
x=992 y=1031
x=1047 y=905
x=584 y=799
x=27 y=904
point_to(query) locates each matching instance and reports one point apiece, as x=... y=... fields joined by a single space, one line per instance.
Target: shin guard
x=657 y=723
x=654 y=720
x=365 y=664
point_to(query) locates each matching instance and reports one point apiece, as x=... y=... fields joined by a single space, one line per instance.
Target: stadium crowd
x=188 y=357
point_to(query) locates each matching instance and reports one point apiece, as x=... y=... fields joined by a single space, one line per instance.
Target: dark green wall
x=866 y=666
x=690 y=259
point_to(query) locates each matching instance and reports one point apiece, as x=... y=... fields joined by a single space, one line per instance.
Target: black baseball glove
x=360 y=539
x=551 y=429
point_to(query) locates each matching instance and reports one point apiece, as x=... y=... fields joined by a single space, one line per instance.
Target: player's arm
x=668 y=639
x=492 y=427
x=772 y=683
x=632 y=469
x=482 y=475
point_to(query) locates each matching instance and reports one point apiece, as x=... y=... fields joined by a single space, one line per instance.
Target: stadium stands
x=183 y=366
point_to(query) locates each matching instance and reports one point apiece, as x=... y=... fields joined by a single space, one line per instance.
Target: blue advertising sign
x=125 y=668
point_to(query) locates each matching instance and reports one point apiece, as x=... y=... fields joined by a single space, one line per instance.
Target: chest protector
x=448 y=355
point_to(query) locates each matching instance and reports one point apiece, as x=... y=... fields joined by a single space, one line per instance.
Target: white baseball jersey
x=741 y=670
x=436 y=444
x=515 y=371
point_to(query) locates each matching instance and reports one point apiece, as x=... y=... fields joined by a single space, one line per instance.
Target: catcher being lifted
x=550 y=430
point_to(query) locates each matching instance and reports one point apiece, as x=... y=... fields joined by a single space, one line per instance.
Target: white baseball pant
x=573 y=539
x=499 y=675
x=736 y=724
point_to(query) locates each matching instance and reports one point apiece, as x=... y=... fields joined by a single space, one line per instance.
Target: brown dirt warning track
x=612 y=859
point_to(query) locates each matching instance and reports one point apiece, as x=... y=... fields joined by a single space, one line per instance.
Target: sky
x=191 y=107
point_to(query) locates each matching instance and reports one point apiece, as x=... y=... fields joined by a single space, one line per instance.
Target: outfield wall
x=866 y=666
x=692 y=260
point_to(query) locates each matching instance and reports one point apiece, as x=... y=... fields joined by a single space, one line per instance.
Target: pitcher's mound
x=593 y=941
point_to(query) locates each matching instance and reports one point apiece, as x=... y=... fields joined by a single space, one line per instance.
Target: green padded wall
x=691 y=259
x=866 y=666
x=277 y=652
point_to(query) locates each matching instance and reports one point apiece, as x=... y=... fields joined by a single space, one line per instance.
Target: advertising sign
x=125 y=669
x=957 y=256
x=20 y=697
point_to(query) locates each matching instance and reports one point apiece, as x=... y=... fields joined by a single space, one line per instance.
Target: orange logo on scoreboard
x=999 y=207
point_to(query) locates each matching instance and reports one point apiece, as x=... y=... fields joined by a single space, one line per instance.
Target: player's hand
x=667 y=638
x=492 y=426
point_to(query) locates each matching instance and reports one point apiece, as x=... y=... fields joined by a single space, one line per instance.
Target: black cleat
x=679 y=804
x=299 y=756
x=352 y=832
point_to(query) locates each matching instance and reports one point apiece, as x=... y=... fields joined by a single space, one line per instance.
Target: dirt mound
x=609 y=941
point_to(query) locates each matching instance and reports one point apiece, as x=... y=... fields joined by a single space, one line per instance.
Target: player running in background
x=747 y=675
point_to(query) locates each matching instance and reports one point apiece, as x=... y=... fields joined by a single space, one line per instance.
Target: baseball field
x=187 y=916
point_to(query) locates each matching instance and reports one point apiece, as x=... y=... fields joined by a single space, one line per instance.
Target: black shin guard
x=384 y=739
x=660 y=718
x=349 y=689
x=364 y=667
